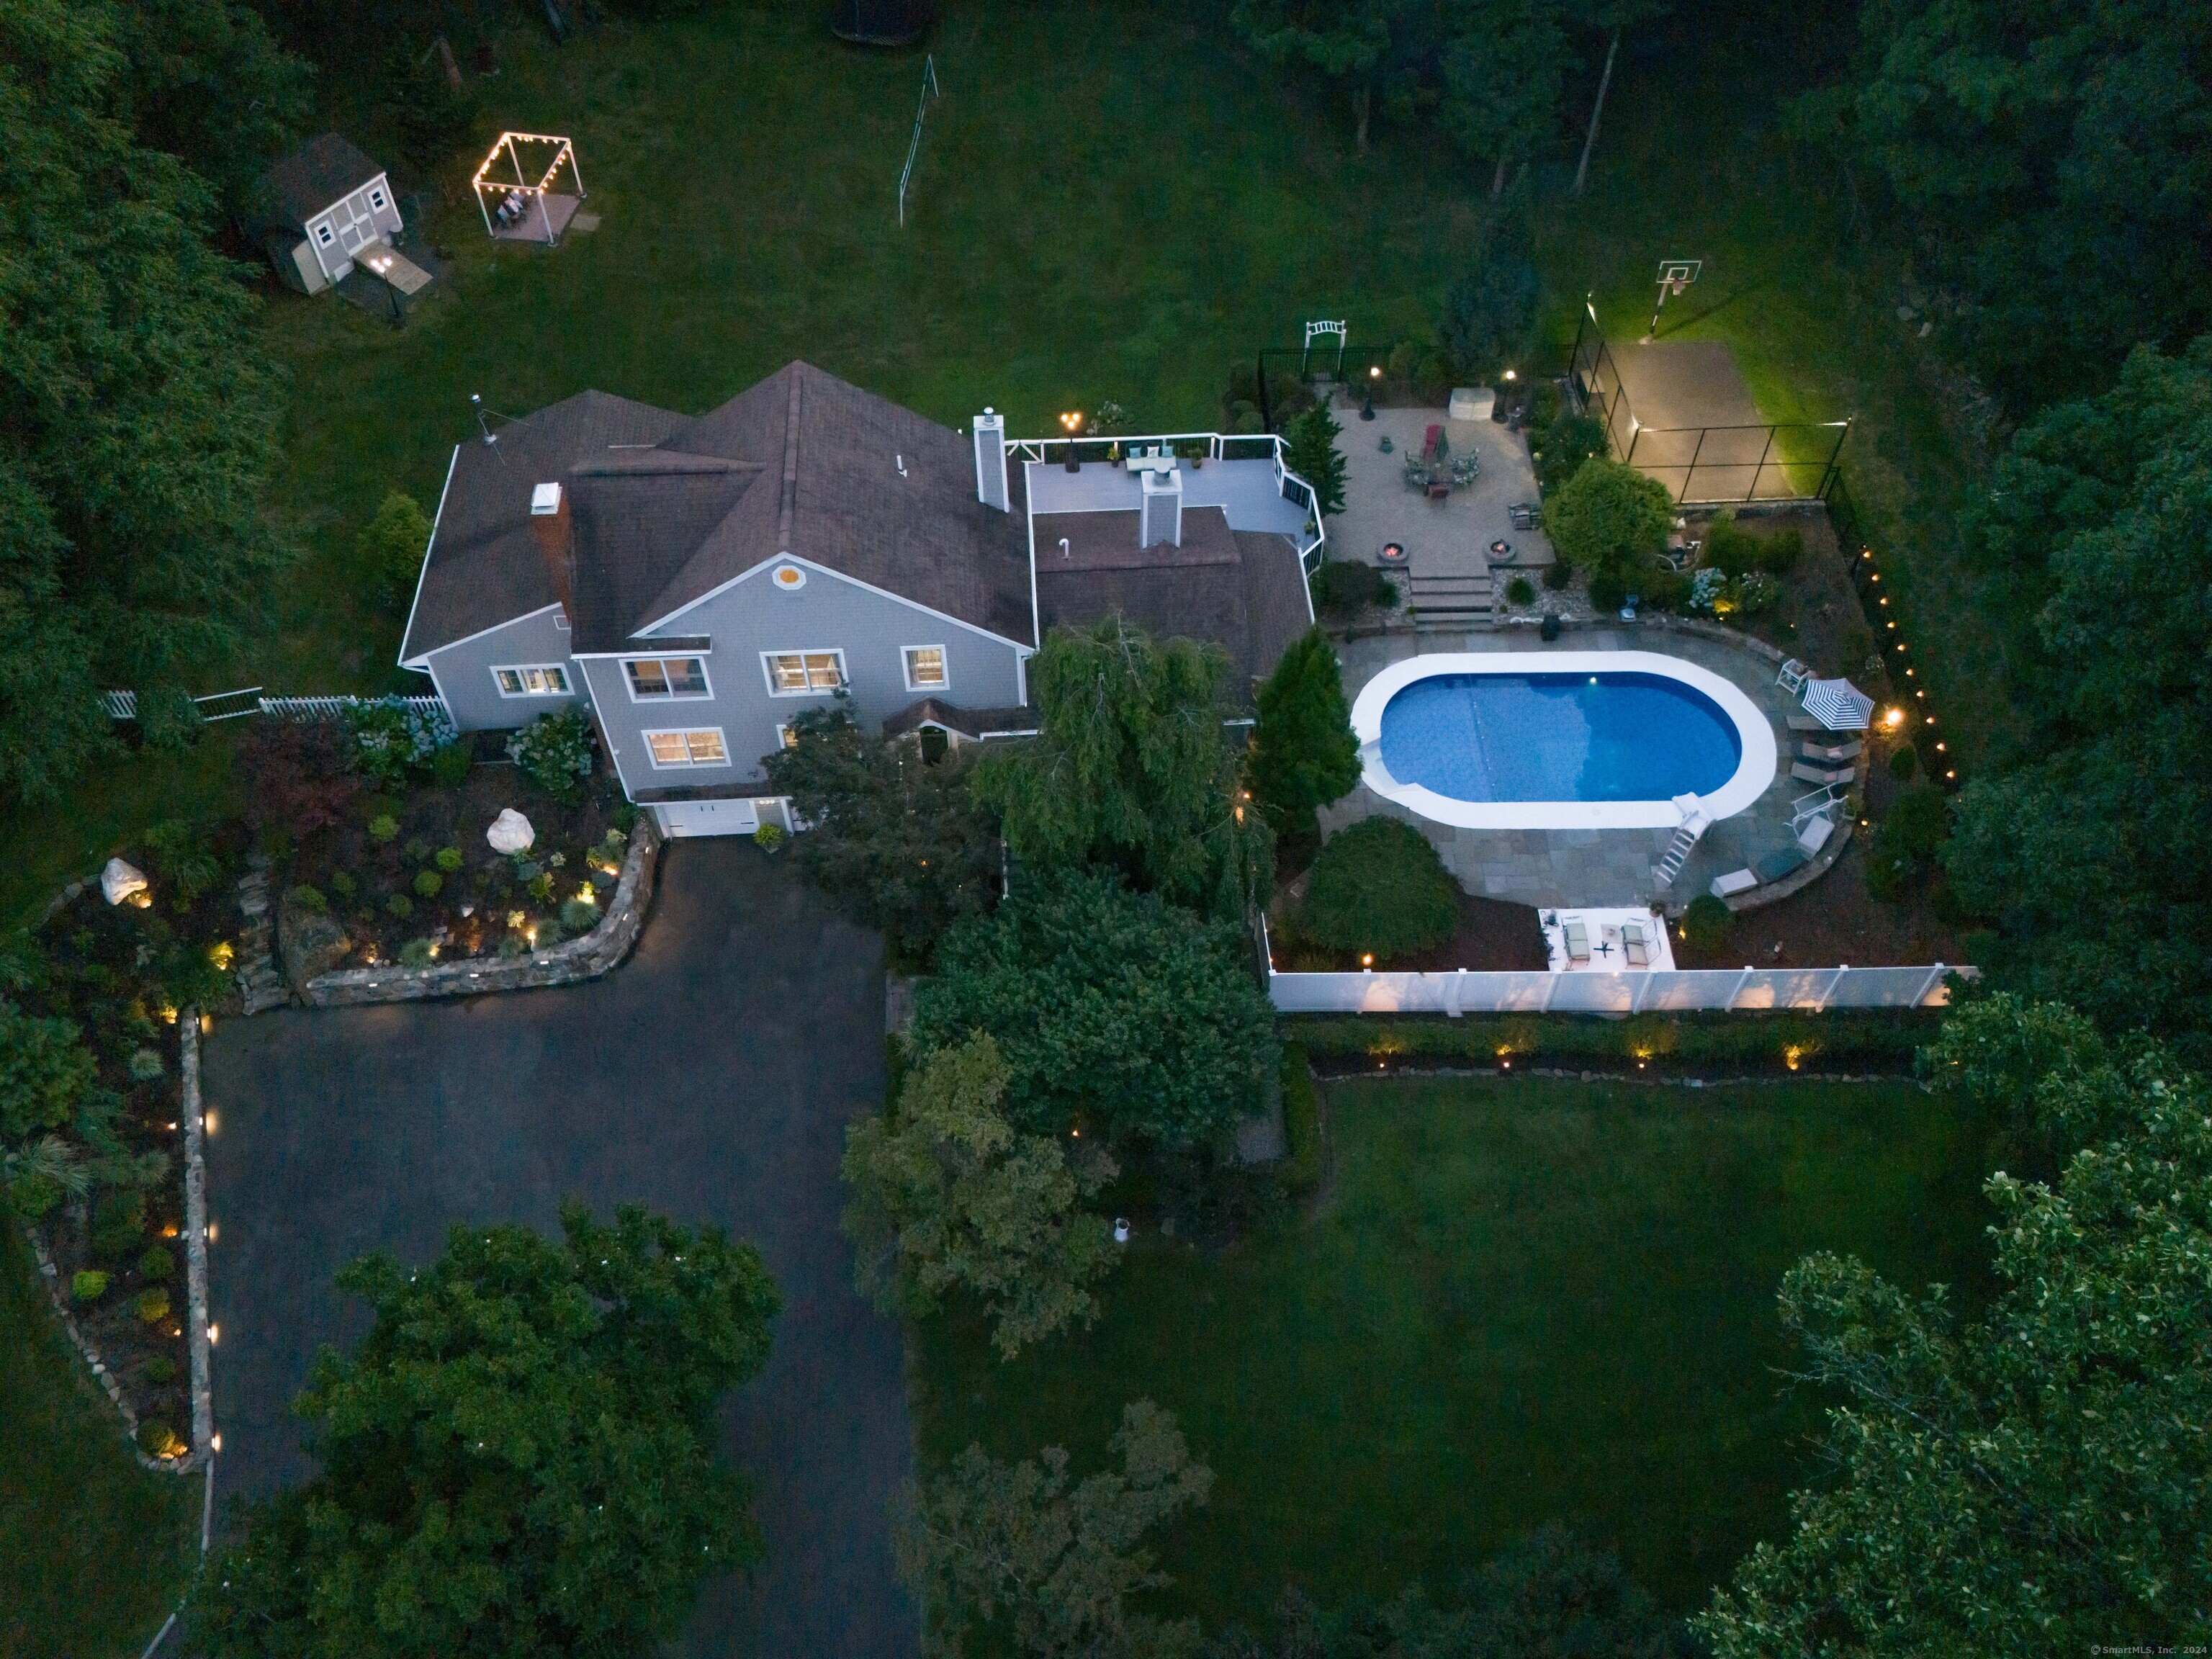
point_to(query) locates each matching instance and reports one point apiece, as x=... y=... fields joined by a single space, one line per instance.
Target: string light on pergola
x=555 y=207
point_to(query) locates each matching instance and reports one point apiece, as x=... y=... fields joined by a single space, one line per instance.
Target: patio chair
x=1834 y=754
x=1791 y=679
x=1439 y=488
x=1813 y=835
x=1633 y=944
x=1735 y=882
x=1805 y=773
x=1525 y=515
x=1578 y=941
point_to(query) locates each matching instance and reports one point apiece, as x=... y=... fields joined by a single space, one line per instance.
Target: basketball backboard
x=1679 y=274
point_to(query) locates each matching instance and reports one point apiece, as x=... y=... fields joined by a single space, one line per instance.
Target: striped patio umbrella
x=1839 y=705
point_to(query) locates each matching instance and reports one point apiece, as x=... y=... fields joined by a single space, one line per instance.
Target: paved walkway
x=1450 y=538
x=1587 y=866
x=709 y=1079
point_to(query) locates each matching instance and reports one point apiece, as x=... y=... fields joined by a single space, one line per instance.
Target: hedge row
x=1885 y=1039
x=1301 y=1122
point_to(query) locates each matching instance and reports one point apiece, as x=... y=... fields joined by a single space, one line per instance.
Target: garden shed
x=319 y=206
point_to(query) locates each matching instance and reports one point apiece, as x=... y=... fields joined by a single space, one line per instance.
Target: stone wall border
x=581 y=958
x=198 y=1335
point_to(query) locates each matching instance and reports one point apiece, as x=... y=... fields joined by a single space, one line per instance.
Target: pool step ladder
x=1679 y=850
x=1459 y=602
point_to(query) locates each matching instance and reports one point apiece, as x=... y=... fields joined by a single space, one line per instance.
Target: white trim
x=686 y=733
x=522 y=668
x=1754 y=771
x=422 y=575
x=783 y=736
x=527 y=615
x=868 y=588
x=844 y=676
x=943 y=682
x=624 y=661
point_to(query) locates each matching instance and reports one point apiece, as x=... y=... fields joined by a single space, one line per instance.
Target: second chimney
x=549 y=521
x=1162 y=517
x=991 y=460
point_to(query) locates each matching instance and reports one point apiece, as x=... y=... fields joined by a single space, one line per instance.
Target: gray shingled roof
x=306 y=179
x=704 y=500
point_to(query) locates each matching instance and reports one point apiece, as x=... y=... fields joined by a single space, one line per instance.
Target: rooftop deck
x=1245 y=491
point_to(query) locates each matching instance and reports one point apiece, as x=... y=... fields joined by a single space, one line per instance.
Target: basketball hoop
x=1674 y=276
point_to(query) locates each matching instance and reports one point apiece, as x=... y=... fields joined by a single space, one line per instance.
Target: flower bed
x=92 y=1096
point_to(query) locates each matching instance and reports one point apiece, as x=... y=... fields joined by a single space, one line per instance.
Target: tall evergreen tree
x=1313 y=456
x=1303 y=754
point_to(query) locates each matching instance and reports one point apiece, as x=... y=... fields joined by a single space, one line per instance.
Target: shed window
x=532 y=680
x=666 y=677
x=323 y=234
x=376 y=198
x=701 y=748
x=795 y=673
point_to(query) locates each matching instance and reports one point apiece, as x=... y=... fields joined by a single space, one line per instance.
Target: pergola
x=554 y=208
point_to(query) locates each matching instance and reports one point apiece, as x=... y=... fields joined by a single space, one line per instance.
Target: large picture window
x=701 y=748
x=798 y=673
x=532 y=680
x=924 y=668
x=666 y=677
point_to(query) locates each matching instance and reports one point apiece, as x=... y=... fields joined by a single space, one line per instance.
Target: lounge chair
x=1807 y=723
x=1735 y=882
x=1633 y=945
x=1832 y=753
x=1805 y=773
x=1578 y=941
x=1792 y=676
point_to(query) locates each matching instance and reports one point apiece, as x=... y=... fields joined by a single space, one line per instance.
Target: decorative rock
x=510 y=832
x=118 y=880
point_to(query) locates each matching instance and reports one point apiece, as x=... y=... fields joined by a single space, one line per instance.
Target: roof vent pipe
x=991 y=460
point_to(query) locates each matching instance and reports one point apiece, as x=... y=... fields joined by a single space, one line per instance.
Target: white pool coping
x=1754 y=773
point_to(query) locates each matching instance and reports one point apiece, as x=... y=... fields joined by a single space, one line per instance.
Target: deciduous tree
x=947 y=1196
x=518 y=1458
x=1345 y=40
x=1012 y=1552
x=1609 y=517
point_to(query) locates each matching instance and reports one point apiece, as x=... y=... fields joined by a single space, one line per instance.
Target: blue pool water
x=1602 y=737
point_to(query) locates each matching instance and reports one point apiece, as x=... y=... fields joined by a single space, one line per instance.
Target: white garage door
x=708 y=818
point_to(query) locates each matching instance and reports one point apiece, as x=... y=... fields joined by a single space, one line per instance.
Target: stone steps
x=259 y=981
x=1457 y=602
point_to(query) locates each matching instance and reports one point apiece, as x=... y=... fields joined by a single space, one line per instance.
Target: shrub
x=554 y=752
x=383 y=828
x=119 y=1225
x=1562 y=446
x=1342 y=586
x=393 y=737
x=1378 y=886
x=1520 y=591
x=180 y=855
x=295 y=777
x=428 y=883
x=399 y=907
x=449 y=858
x=159 y=1440
x=540 y=886
x=89 y=1285
x=1729 y=548
x=310 y=899
x=1609 y=589
x=450 y=763
x=34 y=1194
x=1312 y=455
x=578 y=916
x=156 y=1264
x=415 y=851
x=1707 y=923
x=391 y=546
x=344 y=885
x=514 y=944
x=151 y=1305
x=1781 y=550
x=1301 y=1122
x=769 y=837
x=1906 y=841
x=1904 y=762
x=1663 y=590
x=417 y=953
x=1609 y=517
x=161 y=1369
x=1757 y=592
x=146 y=1064
x=1558 y=575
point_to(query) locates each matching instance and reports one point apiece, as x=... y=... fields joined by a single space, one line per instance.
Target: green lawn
x=1515 y=1302
x=94 y=1550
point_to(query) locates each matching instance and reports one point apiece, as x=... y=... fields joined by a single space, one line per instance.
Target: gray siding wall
x=828 y=614
x=463 y=672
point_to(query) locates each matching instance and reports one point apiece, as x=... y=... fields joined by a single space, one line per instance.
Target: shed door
x=356 y=225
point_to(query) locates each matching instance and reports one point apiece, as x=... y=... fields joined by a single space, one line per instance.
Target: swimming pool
x=1566 y=739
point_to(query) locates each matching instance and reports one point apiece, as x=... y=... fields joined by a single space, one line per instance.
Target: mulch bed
x=387 y=891
x=1833 y=922
x=1818 y=618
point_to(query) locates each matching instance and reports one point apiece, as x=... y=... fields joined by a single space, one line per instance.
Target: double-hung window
x=700 y=748
x=532 y=680
x=666 y=677
x=798 y=673
x=924 y=668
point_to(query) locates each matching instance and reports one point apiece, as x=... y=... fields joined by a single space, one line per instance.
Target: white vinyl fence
x=1737 y=990
x=331 y=708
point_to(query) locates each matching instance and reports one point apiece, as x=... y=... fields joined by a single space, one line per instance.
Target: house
x=318 y=207
x=695 y=582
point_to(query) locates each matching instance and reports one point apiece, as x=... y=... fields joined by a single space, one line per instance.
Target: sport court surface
x=710 y=1077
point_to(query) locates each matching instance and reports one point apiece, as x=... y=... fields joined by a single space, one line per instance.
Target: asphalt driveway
x=709 y=1078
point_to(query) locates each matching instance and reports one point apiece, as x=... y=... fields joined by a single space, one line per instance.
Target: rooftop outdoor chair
x=1832 y=753
x=1577 y=942
x=1633 y=945
x=1805 y=773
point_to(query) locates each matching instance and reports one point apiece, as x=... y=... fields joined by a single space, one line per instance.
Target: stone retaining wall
x=585 y=957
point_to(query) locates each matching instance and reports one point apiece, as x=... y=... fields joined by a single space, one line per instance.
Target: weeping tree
x=1131 y=768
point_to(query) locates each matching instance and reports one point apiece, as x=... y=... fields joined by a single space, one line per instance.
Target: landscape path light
x=1367 y=408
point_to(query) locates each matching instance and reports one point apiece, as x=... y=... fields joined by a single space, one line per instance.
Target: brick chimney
x=549 y=521
x=991 y=460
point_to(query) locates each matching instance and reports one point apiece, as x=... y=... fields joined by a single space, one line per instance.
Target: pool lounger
x=1735 y=882
x=1805 y=773
x=1830 y=753
x=1577 y=942
x=1774 y=866
x=1633 y=946
x=1807 y=723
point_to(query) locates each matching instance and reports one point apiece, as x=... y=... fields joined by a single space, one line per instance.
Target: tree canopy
x=519 y=1457
x=2093 y=850
x=1609 y=517
x=1312 y=455
x=1131 y=768
x=1379 y=887
x=1303 y=754
x=994 y=1549
x=2034 y=1481
x=139 y=409
x=1115 y=1011
x=947 y=1195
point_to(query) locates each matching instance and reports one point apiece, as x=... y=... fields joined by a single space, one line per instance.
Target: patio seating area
x=1607 y=941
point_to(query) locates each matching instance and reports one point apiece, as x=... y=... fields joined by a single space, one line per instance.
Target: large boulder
x=510 y=832
x=121 y=880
